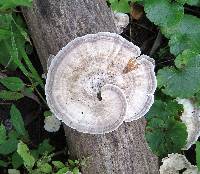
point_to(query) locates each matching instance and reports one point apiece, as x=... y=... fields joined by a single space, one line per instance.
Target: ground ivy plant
x=165 y=133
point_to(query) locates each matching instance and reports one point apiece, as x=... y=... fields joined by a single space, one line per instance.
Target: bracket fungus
x=175 y=163
x=191 y=118
x=98 y=81
x=121 y=20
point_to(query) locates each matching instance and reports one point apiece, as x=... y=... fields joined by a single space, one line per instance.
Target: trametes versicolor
x=98 y=81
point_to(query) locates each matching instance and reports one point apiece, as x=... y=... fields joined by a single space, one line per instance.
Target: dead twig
x=156 y=44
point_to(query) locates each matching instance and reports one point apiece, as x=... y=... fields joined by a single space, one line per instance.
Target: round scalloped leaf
x=179 y=43
x=184 y=35
x=164 y=13
x=189 y=25
x=163 y=110
x=183 y=82
x=193 y=2
x=120 y=6
x=164 y=132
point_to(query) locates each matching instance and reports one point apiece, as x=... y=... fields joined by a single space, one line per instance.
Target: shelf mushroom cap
x=191 y=118
x=98 y=81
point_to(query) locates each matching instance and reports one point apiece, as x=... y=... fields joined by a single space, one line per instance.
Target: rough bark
x=54 y=23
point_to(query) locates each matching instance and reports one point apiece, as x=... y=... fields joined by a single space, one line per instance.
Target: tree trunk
x=54 y=23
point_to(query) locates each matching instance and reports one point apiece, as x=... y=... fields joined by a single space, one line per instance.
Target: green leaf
x=179 y=43
x=76 y=162
x=45 y=147
x=46 y=168
x=164 y=110
x=183 y=82
x=28 y=91
x=12 y=83
x=47 y=113
x=33 y=71
x=14 y=48
x=8 y=146
x=21 y=28
x=11 y=45
x=9 y=95
x=2 y=134
x=5 y=4
x=120 y=6
x=198 y=154
x=17 y=121
x=5 y=59
x=63 y=170
x=184 y=35
x=188 y=25
x=4 y=33
x=24 y=152
x=17 y=161
x=3 y=163
x=197 y=98
x=13 y=134
x=34 y=153
x=181 y=1
x=13 y=171
x=163 y=12
x=58 y=164
x=75 y=170
x=164 y=132
x=71 y=162
x=193 y=2
x=19 y=49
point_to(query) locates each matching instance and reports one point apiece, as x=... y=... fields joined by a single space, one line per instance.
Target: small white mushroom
x=51 y=124
x=191 y=117
x=121 y=21
x=98 y=81
x=176 y=162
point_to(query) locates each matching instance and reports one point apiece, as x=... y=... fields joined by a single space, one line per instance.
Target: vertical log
x=54 y=23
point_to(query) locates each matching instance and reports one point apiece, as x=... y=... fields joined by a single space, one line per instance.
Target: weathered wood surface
x=54 y=23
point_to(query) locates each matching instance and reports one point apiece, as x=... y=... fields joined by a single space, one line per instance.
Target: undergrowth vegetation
x=165 y=133
x=15 y=46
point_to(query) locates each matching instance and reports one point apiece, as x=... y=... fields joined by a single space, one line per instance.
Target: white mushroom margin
x=176 y=162
x=191 y=117
x=88 y=89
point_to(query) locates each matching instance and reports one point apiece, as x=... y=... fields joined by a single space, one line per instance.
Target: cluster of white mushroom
x=51 y=124
x=98 y=81
x=175 y=163
x=121 y=21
